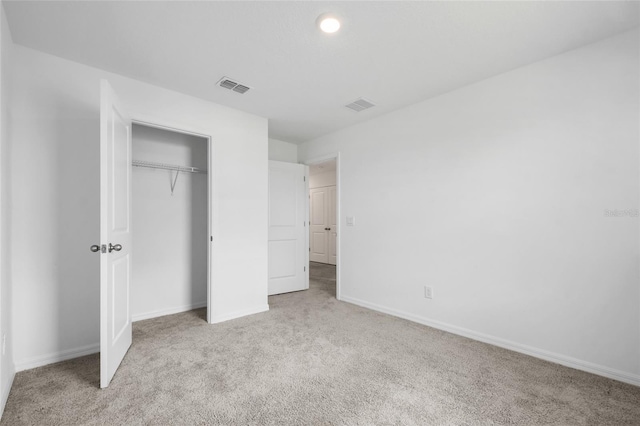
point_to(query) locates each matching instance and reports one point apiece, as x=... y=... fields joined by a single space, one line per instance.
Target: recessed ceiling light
x=328 y=23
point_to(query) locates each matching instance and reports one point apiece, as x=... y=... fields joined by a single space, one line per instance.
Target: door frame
x=141 y=120
x=321 y=159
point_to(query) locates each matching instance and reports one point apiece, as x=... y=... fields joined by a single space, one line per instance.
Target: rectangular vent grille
x=227 y=83
x=240 y=88
x=360 y=105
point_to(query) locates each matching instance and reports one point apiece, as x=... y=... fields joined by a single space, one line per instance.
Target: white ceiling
x=327 y=166
x=392 y=53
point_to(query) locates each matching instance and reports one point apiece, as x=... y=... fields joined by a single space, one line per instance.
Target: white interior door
x=322 y=229
x=288 y=270
x=333 y=227
x=319 y=223
x=115 y=233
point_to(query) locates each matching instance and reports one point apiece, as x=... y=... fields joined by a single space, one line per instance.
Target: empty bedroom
x=320 y=213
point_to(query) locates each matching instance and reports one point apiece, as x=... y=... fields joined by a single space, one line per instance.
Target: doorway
x=324 y=223
x=169 y=222
x=116 y=217
x=322 y=209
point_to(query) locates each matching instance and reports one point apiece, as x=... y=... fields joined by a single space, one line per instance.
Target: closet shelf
x=172 y=167
x=163 y=166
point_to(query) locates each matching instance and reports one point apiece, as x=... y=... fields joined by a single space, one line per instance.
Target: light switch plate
x=351 y=220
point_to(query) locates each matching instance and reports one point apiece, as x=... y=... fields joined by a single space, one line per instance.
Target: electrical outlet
x=428 y=292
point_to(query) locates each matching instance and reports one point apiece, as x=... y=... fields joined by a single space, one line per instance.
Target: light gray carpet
x=312 y=360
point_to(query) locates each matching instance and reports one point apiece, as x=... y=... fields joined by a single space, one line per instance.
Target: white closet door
x=115 y=233
x=319 y=223
x=288 y=259
x=333 y=234
x=322 y=232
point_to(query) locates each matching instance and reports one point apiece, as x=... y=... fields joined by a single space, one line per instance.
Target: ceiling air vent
x=227 y=83
x=360 y=105
x=240 y=88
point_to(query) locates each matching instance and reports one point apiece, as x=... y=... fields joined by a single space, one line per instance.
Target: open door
x=115 y=233
x=288 y=221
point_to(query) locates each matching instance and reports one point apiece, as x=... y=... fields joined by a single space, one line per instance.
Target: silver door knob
x=95 y=248
x=117 y=247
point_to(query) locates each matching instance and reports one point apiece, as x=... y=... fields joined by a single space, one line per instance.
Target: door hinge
x=212 y=238
x=305 y=269
x=304 y=178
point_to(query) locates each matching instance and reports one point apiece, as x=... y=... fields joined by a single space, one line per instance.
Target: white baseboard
x=5 y=392
x=237 y=314
x=169 y=311
x=567 y=361
x=39 y=361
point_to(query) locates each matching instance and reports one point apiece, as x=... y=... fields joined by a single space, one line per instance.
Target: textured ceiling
x=392 y=53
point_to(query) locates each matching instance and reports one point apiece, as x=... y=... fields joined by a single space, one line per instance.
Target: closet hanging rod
x=151 y=165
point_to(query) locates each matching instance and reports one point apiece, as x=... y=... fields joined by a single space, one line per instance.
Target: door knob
x=327 y=229
x=117 y=247
x=95 y=248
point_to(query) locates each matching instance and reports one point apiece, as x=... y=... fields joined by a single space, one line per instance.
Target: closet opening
x=170 y=222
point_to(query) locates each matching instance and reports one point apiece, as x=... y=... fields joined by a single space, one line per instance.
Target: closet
x=170 y=222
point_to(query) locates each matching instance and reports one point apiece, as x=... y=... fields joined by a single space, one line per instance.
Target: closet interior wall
x=169 y=263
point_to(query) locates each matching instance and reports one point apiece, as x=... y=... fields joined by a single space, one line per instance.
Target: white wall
x=170 y=234
x=56 y=201
x=283 y=151
x=322 y=179
x=7 y=368
x=495 y=195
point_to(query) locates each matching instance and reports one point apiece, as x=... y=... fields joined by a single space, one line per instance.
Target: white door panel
x=333 y=234
x=115 y=233
x=282 y=258
x=287 y=227
x=317 y=229
x=322 y=232
x=318 y=208
x=319 y=245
